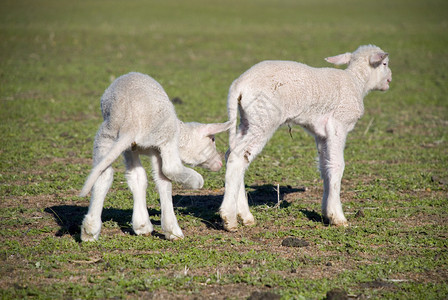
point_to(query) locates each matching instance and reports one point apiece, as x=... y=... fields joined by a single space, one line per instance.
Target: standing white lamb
x=139 y=119
x=326 y=102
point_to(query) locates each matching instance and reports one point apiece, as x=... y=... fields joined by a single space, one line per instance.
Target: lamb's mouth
x=388 y=81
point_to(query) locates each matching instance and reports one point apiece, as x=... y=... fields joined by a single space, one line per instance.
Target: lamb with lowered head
x=140 y=119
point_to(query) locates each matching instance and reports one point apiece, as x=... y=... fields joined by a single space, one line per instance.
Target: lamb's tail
x=118 y=147
x=233 y=101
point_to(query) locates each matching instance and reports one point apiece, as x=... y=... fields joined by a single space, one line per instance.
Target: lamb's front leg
x=331 y=161
x=173 y=169
x=170 y=227
x=138 y=182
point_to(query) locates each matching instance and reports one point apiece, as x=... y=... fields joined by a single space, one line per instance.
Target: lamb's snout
x=389 y=80
x=213 y=164
x=386 y=85
x=216 y=166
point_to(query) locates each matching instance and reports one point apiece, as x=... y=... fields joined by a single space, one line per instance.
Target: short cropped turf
x=56 y=59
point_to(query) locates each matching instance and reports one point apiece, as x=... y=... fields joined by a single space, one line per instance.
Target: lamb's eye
x=384 y=63
x=212 y=138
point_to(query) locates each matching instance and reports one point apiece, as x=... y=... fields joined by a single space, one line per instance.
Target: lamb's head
x=371 y=62
x=197 y=144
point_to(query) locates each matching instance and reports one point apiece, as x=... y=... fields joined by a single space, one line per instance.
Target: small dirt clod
x=294 y=242
x=337 y=294
x=360 y=214
x=439 y=180
x=263 y=296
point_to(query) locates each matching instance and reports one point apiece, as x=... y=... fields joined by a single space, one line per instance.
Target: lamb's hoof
x=174 y=236
x=338 y=222
x=90 y=229
x=144 y=229
x=195 y=182
x=172 y=231
x=248 y=220
x=198 y=185
x=229 y=224
x=88 y=237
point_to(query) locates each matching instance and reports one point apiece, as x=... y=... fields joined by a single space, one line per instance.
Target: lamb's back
x=295 y=88
x=136 y=100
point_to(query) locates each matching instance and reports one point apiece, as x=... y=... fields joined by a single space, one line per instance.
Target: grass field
x=56 y=59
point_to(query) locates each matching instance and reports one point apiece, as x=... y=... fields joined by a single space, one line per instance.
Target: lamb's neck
x=183 y=142
x=183 y=135
x=361 y=77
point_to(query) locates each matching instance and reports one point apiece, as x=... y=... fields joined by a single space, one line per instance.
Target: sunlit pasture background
x=56 y=59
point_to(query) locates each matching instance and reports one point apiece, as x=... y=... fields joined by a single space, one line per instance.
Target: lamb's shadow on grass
x=69 y=218
x=206 y=207
x=314 y=216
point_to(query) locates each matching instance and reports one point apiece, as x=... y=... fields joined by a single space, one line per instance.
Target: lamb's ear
x=377 y=58
x=340 y=59
x=214 y=128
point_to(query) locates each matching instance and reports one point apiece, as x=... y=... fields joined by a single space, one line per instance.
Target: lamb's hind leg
x=138 y=182
x=170 y=227
x=235 y=168
x=243 y=210
x=235 y=202
x=331 y=162
x=91 y=225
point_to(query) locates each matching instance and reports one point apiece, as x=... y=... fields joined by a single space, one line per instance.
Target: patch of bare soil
x=214 y=291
